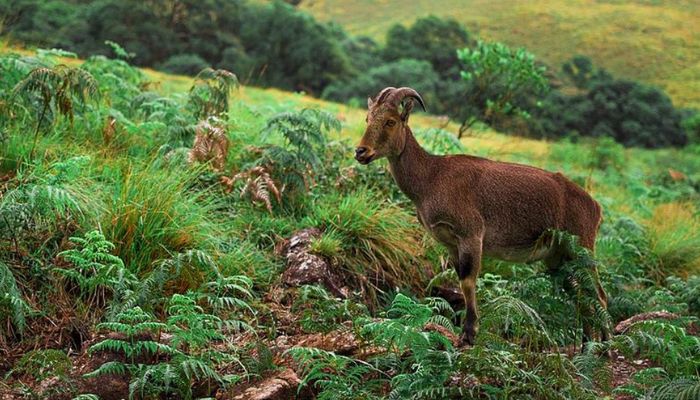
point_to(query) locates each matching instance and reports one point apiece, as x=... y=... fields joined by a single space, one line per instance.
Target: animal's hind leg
x=468 y=265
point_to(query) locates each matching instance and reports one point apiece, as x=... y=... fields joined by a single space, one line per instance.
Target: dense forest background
x=274 y=44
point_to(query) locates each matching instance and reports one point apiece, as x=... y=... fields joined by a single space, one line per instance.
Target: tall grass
x=375 y=242
x=153 y=213
x=674 y=231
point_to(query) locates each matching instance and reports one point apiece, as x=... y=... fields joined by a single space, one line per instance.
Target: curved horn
x=383 y=94
x=397 y=96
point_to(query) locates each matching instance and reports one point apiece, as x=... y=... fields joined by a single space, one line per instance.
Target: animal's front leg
x=468 y=266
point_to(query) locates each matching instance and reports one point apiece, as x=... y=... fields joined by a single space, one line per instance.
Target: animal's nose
x=360 y=151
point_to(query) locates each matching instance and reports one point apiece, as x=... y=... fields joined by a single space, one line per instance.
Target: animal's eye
x=390 y=123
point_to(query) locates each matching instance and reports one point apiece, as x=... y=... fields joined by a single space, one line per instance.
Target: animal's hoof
x=467 y=338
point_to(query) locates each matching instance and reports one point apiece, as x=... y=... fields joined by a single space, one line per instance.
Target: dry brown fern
x=210 y=144
x=258 y=185
x=108 y=130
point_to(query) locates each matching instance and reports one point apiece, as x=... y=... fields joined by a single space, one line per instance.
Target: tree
x=501 y=82
x=431 y=39
x=632 y=113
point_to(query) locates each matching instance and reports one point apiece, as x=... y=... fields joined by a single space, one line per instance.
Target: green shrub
x=419 y=73
x=632 y=113
x=43 y=364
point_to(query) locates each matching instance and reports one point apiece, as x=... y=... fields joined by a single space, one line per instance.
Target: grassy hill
x=653 y=41
x=126 y=267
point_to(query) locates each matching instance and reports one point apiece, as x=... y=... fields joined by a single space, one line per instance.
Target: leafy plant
x=56 y=89
x=153 y=366
x=501 y=81
x=95 y=270
x=333 y=311
x=209 y=95
x=43 y=364
x=295 y=163
x=336 y=375
x=13 y=307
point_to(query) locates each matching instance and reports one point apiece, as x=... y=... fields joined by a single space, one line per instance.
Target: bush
x=632 y=113
x=419 y=74
x=501 y=83
x=184 y=64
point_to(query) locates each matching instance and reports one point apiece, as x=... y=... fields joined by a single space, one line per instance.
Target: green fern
x=337 y=376
x=96 y=271
x=321 y=312
x=56 y=89
x=156 y=368
x=209 y=96
x=295 y=163
x=13 y=307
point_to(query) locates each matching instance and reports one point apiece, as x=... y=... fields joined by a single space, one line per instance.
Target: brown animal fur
x=475 y=206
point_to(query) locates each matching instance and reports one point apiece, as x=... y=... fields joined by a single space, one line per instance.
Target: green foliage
x=13 y=307
x=209 y=96
x=581 y=71
x=429 y=38
x=36 y=209
x=320 y=312
x=439 y=141
x=55 y=90
x=95 y=270
x=607 y=154
x=379 y=242
x=419 y=73
x=282 y=59
x=632 y=113
x=298 y=160
x=336 y=375
x=668 y=345
x=154 y=366
x=502 y=82
x=43 y=364
x=691 y=124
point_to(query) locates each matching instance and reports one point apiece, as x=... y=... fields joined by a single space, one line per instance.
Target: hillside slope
x=654 y=41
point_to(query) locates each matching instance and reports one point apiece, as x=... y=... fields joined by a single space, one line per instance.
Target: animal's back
x=518 y=203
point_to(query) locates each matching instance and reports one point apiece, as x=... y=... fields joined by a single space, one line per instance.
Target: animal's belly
x=518 y=254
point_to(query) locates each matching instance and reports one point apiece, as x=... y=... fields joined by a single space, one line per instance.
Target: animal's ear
x=370 y=102
x=407 y=108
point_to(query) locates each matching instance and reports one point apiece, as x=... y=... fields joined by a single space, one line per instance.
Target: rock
x=281 y=386
x=306 y=268
x=623 y=326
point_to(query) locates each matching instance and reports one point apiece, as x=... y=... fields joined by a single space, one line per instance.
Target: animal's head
x=386 y=122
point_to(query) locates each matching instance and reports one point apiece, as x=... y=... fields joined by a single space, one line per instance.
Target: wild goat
x=475 y=206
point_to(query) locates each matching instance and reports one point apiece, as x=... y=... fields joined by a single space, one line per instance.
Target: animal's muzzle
x=363 y=156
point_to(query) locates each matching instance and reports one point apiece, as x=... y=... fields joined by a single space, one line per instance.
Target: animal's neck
x=411 y=168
